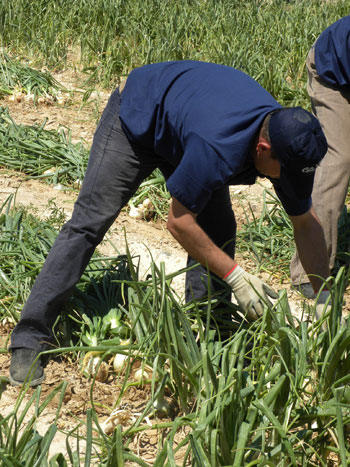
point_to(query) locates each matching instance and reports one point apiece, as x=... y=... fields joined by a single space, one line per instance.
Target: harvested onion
x=141 y=375
x=119 y=362
x=98 y=369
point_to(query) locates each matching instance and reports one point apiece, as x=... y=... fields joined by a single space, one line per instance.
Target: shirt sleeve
x=292 y=206
x=200 y=172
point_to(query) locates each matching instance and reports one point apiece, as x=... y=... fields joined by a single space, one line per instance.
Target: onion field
x=216 y=390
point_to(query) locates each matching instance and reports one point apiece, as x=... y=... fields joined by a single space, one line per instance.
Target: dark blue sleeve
x=200 y=172
x=292 y=206
x=332 y=53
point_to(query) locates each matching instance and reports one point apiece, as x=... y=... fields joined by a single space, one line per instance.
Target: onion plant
x=17 y=77
x=274 y=393
x=24 y=244
x=267 y=238
x=20 y=442
x=41 y=153
x=343 y=246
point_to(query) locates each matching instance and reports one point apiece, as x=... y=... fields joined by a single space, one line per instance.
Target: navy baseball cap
x=299 y=143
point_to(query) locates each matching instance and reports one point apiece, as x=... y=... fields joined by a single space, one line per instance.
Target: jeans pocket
x=111 y=111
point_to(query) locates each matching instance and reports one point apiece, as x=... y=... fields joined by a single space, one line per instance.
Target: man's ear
x=262 y=146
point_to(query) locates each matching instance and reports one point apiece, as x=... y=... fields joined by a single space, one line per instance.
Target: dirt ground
x=142 y=237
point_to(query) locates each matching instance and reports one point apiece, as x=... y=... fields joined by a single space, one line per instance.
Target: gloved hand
x=250 y=291
x=323 y=306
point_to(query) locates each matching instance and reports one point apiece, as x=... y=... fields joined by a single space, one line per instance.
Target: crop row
x=267 y=39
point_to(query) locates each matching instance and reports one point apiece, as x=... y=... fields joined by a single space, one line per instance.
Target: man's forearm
x=311 y=246
x=184 y=228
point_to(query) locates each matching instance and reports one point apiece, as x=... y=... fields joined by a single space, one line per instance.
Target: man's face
x=265 y=164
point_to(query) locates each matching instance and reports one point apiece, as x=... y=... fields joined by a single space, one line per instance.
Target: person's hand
x=251 y=292
x=323 y=306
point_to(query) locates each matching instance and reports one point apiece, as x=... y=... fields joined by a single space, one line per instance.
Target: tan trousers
x=331 y=106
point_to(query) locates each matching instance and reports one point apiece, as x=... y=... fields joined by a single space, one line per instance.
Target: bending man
x=206 y=126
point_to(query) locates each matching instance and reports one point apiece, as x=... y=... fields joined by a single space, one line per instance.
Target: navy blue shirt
x=332 y=53
x=203 y=118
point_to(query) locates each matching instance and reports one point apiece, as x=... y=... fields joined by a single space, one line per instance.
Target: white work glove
x=323 y=306
x=251 y=292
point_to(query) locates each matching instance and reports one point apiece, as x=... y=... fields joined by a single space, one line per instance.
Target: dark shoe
x=22 y=363
x=305 y=289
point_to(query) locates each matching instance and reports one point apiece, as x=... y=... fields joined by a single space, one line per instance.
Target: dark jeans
x=115 y=170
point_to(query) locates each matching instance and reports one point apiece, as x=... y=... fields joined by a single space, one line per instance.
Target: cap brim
x=295 y=184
